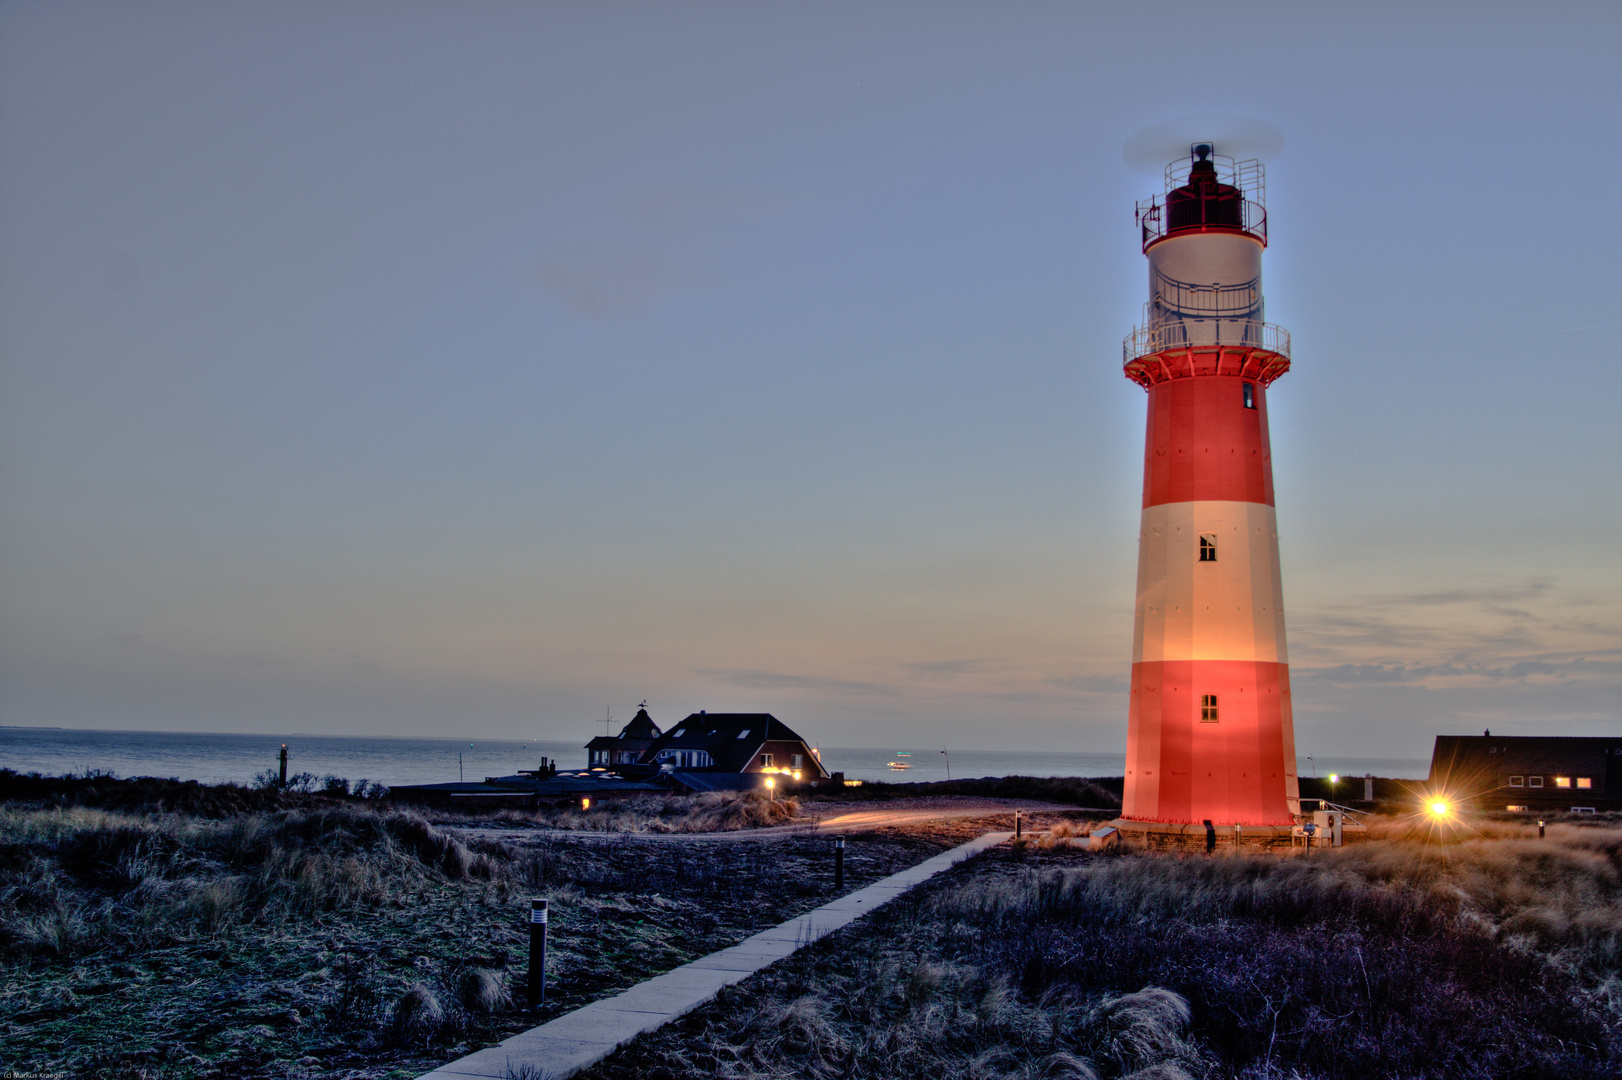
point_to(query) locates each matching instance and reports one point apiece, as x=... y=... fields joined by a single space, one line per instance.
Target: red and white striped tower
x=1210 y=737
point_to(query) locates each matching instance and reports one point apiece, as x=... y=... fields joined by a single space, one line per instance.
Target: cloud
x=935 y=670
x=1580 y=667
x=770 y=680
x=599 y=279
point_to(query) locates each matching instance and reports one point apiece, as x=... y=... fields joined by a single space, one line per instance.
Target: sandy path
x=816 y=819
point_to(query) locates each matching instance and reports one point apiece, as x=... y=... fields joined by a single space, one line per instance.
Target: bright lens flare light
x=1439 y=808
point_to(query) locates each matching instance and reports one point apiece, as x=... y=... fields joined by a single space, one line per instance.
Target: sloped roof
x=731 y=739
x=635 y=735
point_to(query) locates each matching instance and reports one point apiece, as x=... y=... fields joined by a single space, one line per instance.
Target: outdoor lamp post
x=771 y=782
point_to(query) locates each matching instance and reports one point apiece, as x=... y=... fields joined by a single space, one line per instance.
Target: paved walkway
x=577 y=1040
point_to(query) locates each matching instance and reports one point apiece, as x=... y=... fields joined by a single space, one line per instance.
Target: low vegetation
x=719 y=811
x=322 y=936
x=158 y=930
x=1493 y=957
x=1103 y=793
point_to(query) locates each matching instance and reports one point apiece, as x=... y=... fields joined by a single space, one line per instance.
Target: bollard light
x=537 y=953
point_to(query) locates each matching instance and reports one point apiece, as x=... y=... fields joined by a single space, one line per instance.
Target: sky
x=471 y=369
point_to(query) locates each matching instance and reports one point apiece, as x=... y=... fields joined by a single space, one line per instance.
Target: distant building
x=626 y=748
x=735 y=743
x=1530 y=774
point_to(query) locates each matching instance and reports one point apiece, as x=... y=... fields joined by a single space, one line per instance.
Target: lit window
x=1516 y=809
x=1585 y=781
x=766 y=761
x=1208 y=708
x=1517 y=781
x=1250 y=395
x=1534 y=781
x=1207 y=547
x=1562 y=781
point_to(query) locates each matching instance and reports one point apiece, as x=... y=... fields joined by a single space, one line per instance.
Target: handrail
x=1152 y=219
x=1224 y=333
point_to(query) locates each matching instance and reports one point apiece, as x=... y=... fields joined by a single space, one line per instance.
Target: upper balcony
x=1176 y=350
x=1207 y=192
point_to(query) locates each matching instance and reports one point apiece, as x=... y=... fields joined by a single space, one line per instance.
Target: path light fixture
x=771 y=782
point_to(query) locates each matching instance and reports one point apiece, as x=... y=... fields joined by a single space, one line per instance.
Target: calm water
x=215 y=758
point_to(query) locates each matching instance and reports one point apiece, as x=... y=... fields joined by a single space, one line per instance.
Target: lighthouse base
x=1172 y=837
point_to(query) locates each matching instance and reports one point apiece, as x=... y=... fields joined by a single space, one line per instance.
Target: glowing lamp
x=585 y=802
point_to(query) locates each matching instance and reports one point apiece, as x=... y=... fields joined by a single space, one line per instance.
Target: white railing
x=1229 y=333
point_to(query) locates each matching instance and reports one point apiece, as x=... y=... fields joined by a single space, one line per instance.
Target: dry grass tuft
x=481 y=991
x=417 y=1018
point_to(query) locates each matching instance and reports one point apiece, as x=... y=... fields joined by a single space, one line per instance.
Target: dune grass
x=1384 y=960
x=343 y=938
x=716 y=811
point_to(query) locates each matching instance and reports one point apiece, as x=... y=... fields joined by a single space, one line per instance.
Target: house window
x=1562 y=781
x=1585 y=781
x=765 y=761
x=1207 y=547
x=1517 y=781
x=1534 y=781
x=1250 y=395
x=1516 y=809
x=799 y=761
x=1208 y=708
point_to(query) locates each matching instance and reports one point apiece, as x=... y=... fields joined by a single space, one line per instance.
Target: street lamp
x=1333 y=779
x=771 y=782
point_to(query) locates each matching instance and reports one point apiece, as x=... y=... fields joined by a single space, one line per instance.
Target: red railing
x=1224 y=333
x=1248 y=176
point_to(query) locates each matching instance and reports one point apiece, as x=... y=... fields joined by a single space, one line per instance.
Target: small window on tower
x=1207 y=547
x=1208 y=708
x=1250 y=395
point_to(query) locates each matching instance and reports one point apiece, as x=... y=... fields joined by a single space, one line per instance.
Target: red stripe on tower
x=1210 y=736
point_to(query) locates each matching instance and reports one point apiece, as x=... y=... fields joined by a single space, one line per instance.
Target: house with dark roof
x=626 y=748
x=1530 y=774
x=737 y=743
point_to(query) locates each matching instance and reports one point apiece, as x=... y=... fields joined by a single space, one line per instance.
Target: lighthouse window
x=1207 y=547
x=1250 y=395
x=1208 y=708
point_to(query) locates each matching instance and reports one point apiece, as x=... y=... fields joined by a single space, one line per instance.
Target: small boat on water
x=897 y=766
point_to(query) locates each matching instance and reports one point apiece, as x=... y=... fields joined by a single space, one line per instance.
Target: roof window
x=744 y=734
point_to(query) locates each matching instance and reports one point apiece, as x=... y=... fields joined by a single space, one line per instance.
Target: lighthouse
x=1209 y=737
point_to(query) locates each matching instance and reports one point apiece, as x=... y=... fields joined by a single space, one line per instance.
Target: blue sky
x=463 y=369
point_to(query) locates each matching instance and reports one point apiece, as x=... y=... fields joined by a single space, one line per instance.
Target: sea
x=215 y=758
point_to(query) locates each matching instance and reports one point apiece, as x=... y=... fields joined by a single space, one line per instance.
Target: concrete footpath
x=577 y=1040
